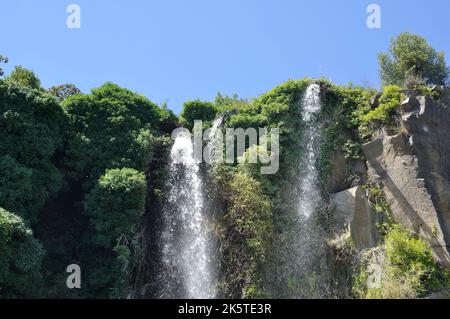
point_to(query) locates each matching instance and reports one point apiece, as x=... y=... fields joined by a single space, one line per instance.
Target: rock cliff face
x=413 y=167
x=352 y=211
x=429 y=130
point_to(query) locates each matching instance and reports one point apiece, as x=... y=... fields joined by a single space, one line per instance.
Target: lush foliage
x=16 y=191
x=24 y=77
x=389 y=100
x=115 y=205
x=411 y=54
x=197 y=110
x=408 y=270
x=225 y=103
x=87 y=173
x=20 y=258
x=31 y=123
x=247 y=233
x=411 y=259
x=111 y=138
x=110 y=128
x=55 y=158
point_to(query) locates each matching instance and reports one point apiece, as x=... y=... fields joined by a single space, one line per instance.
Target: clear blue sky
x=179 y=50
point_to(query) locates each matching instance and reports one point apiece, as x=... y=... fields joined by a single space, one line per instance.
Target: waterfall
x=214 y=150
x=302 y=250
x=312 y=275
x=309 y=195
x=186 y=246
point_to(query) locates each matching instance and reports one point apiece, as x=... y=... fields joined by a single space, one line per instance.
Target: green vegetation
x=32 y=124
x=75 y=174
x=408 y=270
x=110 y=128
x=20 y=258
x=3 y=59
x=406 y=267
x=197 y=110
x=352 y=150
x=411 y=259
x=110 y=146
x=411 y=55
x=226 y=103
x=378 y=201
x=83 y=176
x=342 y=108
x=115 y=205
x=246 y=235
x=24 y=77
x=389 y=100
x=64 y=91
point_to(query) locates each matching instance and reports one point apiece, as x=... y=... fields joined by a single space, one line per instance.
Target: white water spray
x=309 y=195
x=186 y=247
x=214 y=150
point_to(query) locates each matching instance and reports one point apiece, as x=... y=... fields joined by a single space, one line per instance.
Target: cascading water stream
x=303 y=253
x=215 y=150
x=312 y=275
x=186 y=246
x=309 y=195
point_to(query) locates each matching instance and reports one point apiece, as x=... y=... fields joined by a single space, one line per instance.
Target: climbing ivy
x=389 y=100
x=246 y=235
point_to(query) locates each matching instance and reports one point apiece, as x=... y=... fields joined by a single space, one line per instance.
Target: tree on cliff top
x=24 y=77
x=411 y=55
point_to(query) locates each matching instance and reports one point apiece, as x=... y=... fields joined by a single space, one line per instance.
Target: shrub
x=116 y=204
x=395 y=287
x=246 y=238
x=409 y=270
x=197 y=111
x=20 y=258
x=411 y=260
x=246 y=121
x=225 y=103
x=389 y=100
x=413 y=82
